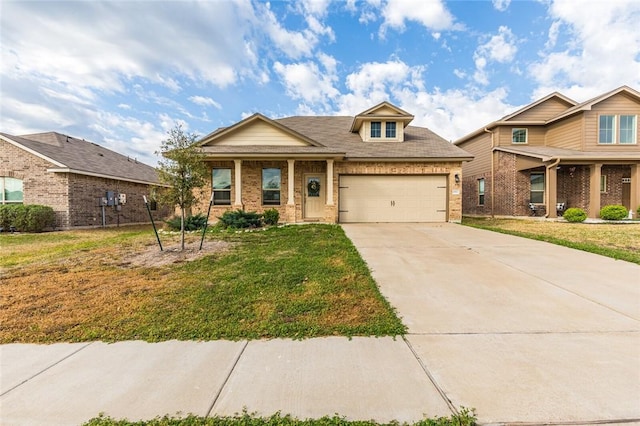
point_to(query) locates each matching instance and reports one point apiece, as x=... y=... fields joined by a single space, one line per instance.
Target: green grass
x=465 y=418
x=285 y=282
x=618 y=241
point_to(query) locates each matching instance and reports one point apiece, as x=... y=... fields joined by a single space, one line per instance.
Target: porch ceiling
x=546 y=154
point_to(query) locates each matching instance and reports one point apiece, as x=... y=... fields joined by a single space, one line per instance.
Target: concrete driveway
x=524 y=331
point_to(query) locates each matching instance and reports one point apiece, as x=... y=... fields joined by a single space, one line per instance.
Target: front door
x=314 y=196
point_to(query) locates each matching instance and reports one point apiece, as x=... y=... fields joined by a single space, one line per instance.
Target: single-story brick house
x=75 y=177
x=554 y=154
x=373 y=167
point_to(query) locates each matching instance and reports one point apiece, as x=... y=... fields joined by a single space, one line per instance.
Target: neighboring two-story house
x=554 y=154
x=373 y=167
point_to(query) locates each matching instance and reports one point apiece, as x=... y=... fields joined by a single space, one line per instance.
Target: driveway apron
x=521 y=330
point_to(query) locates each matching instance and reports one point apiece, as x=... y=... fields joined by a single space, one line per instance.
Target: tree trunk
x=182 y=229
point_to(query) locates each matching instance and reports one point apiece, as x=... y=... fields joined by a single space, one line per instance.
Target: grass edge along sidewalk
x=466 y=417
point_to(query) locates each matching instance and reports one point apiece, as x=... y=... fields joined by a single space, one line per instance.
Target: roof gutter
x=85 y=173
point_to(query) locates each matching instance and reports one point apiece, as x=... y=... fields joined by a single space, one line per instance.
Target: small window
x=518 y=135
x=376 y=129
x=481 y=192
x=221 y=185
x=607 y=129
x=603 y=183
x=390 y=129
x=628 y=129
x=11 y=190
x=537 y=188
x=271 y=187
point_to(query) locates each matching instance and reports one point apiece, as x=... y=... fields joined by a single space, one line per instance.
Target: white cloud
x=501 y=5
x=309 y=82
x=432 y=14
x=499 y=48
x=603 y=51
x=204 y=101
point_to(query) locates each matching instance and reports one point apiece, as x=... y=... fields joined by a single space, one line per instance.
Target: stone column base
x=290 y=214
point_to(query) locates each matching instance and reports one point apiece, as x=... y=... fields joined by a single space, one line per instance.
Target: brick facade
x=252 y=185
x=74 y=197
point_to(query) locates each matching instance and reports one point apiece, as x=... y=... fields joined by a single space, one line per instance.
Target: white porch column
x=290 y=182
x=329 y=182
x=238 y=181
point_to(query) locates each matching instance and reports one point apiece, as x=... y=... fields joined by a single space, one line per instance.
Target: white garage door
x=377 y=198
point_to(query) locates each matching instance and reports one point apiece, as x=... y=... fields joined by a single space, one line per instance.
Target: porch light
x=457 y=178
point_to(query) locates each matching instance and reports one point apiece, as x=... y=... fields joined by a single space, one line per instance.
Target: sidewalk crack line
x=224 y=384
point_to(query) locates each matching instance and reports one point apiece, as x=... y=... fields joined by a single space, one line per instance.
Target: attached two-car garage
x=393 y=198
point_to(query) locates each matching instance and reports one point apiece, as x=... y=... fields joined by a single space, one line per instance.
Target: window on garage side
x=271 y=187
x=221 y=185
x=11 y=190
x=376 y=129
x=537 y=188
x=481 y=192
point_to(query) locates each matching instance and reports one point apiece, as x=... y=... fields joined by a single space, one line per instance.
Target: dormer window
x=390 y=129
x=376 y=129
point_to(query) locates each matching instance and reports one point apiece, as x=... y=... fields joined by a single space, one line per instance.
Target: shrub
x=613 y=212
x=27 y=218
x=271 y=217
x=574 y=214
x=191 y=223
x=240 y=219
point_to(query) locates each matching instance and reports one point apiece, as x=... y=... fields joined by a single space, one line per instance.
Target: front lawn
x=619 y=241
x=114 y=284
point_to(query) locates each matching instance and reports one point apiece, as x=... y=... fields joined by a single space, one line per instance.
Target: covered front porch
x=302 y=189
x=556 y=184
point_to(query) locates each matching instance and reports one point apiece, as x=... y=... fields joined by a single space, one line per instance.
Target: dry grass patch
x=116 y=285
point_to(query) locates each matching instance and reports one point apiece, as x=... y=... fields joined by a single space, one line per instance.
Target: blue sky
x=121 y=73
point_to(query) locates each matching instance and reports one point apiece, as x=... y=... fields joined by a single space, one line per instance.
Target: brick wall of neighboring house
x=613 y=191
x=252 y=185
x=573 y=186
x=85 y=210
x=73 y=197
x=39 y=186
x=509 y=189
x=470 y=195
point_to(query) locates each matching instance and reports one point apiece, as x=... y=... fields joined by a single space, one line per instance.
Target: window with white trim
x=390 y=129
x=603 y=183
x=621 y=129
x=376 y=129
x=271 y=187
x=628 y=129
x=536 y=194
x=518 y=135
x=221 y=184
x=481 y=192
x=11 y=191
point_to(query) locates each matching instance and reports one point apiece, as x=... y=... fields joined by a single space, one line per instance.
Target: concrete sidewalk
x=523 y=331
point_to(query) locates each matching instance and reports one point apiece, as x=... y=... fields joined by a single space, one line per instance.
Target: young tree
x=182 y=168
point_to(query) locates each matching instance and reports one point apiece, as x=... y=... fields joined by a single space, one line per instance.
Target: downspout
x=547 y=184
x=492 y=170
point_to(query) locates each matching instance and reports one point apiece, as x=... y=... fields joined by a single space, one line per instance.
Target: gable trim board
x=336 y=149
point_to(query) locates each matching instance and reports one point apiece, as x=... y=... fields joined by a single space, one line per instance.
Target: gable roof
x=587 y=105
x=374 y=113
x=576 y=108
x=257 y=117
x=71 y=155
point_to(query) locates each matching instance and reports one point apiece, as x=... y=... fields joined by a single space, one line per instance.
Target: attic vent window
x=376 y=129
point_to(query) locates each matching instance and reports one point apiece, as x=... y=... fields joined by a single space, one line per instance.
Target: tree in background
x=182 y=168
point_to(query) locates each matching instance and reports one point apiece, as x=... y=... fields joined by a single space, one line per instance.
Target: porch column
x=595 y=172
x=552 y=191
x=238 y=181
x=290 y=182
x=635 y=187
x=329 y=182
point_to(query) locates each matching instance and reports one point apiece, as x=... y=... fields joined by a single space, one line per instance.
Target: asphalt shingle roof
x=86 y=157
